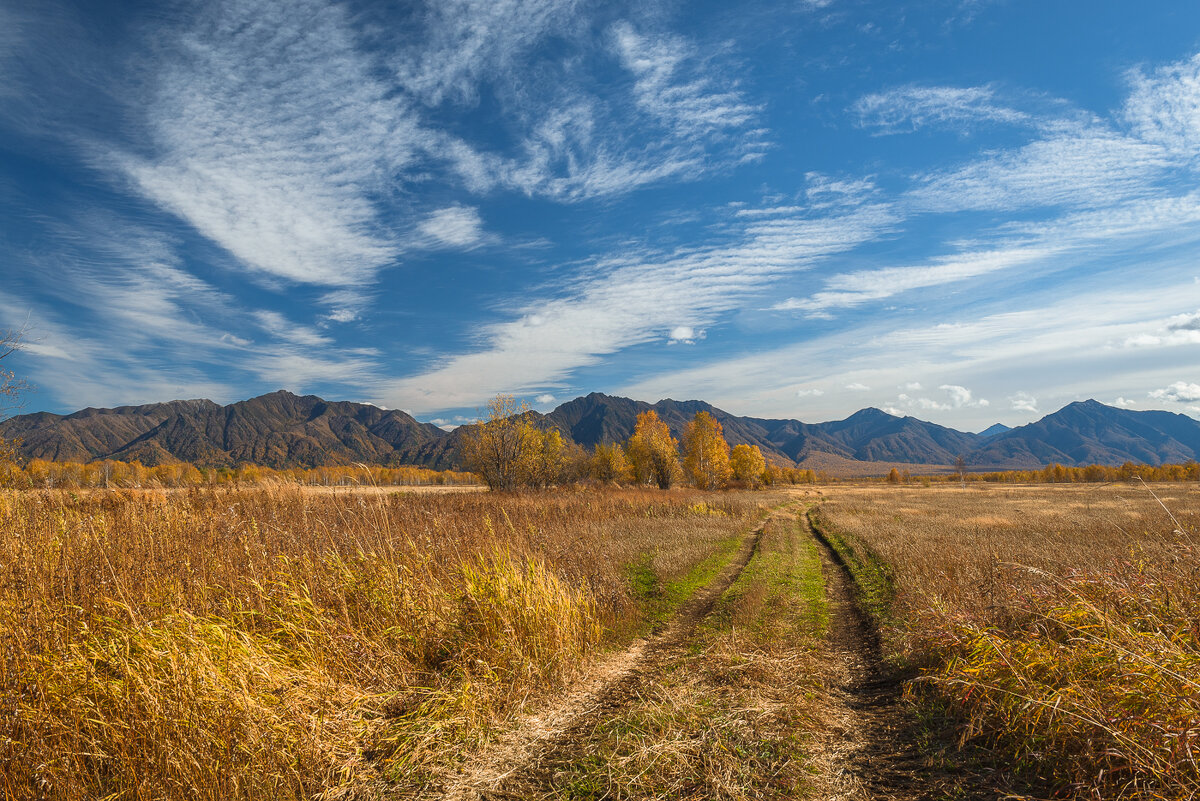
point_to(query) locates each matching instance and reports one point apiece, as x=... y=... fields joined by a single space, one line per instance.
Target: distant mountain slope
x=994 y=430
x=285 y=430
x=278 y=430
x=1088 y=432
x=868 y=435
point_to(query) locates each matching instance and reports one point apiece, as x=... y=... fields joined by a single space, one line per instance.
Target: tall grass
x=275 y=643
x=1062 y=623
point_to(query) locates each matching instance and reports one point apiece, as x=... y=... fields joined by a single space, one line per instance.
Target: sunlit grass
x=273 y=643
x=1060 y=623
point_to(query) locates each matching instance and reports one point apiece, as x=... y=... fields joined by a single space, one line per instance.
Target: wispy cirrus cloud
x=691 y=105
x=465 y=44
x=852 y=289
x=1164 y=108
x=1053 y=349
x=1074 y=167
x=679 y=121
x=910 y=108
x=270 y=134
x=455 y=226
x=629 y=300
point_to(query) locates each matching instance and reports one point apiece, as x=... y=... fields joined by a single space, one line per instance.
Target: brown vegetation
x=272 y=643
x=1060 y=623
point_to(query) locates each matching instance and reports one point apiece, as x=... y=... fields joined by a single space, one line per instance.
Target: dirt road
x=802 y=704
x=521 y=764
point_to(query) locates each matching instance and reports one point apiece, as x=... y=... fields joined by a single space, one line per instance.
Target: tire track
x=874 y=747
x=522 y=762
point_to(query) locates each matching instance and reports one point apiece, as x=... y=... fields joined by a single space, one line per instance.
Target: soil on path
x=521 y=763
x=868 y=751
x=874 y=746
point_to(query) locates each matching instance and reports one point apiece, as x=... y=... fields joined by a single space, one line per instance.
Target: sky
x=966 y=211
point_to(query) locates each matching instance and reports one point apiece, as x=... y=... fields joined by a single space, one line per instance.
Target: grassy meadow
x=278 y=643
x=1060 y=624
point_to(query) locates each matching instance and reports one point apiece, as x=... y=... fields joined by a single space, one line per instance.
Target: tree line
x=114 y=474
x=1062 y=474
x=509 y=451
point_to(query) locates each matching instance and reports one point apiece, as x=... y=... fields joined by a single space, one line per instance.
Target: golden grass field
x=1061 y=623
x=280 y=642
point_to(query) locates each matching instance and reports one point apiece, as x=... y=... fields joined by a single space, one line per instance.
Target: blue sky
x=965 y=211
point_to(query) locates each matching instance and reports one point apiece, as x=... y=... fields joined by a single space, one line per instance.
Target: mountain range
x=281 y=429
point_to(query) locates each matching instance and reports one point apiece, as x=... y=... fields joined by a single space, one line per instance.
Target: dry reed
x=1062 y=623
x=273 y=643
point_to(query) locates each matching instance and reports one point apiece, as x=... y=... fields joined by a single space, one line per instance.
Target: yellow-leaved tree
x=499 y=448
x=609 y=464
x=508 y=451
x=706 y=453
x=653 y=452
x=747 y=464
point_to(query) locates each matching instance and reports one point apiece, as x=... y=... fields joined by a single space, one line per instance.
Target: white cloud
x=1074 y=166
x=1164 y=107
x=456 y=226
x=631 y=299
x=961 y=396
x=462 y=44
x=1180 y=329
x=1124 y=403
x=809 y=393
x=681 y=118
x=545 y=399
x=957 y=398
x=925 y=404
x=1179 y=392
x=909 y=108
x=278 y=164
x=913 y=386
x=824 y=192
x=1023 y=402
x=858 y=387
x=280 y=327
x=684 y=335
x=1055 y=346
x=692 y=106
x=852 y=289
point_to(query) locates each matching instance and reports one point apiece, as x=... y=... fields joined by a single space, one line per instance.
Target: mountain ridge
x=281 y=429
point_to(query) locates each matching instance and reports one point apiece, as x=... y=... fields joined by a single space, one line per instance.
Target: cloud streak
x=633 y=300
x=911 y=108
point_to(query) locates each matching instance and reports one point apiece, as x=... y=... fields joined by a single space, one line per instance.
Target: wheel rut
x=522 y=763
x=873 y=746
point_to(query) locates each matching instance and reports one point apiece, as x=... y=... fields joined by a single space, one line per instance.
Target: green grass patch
x=660 y=598
x=874 y=582
x=782 y=590
x=728 y=717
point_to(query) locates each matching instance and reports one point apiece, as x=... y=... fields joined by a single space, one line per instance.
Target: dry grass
x=1061 y=622
x=729 y=715
x=272 y=643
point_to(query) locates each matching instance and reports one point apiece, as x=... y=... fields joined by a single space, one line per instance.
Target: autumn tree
x=508 y=451
x=706 y=453
x=547 y=459
x=11 y=388
x=653 y=452
x=499 y=449
x=609 y=464
x=747 y=464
